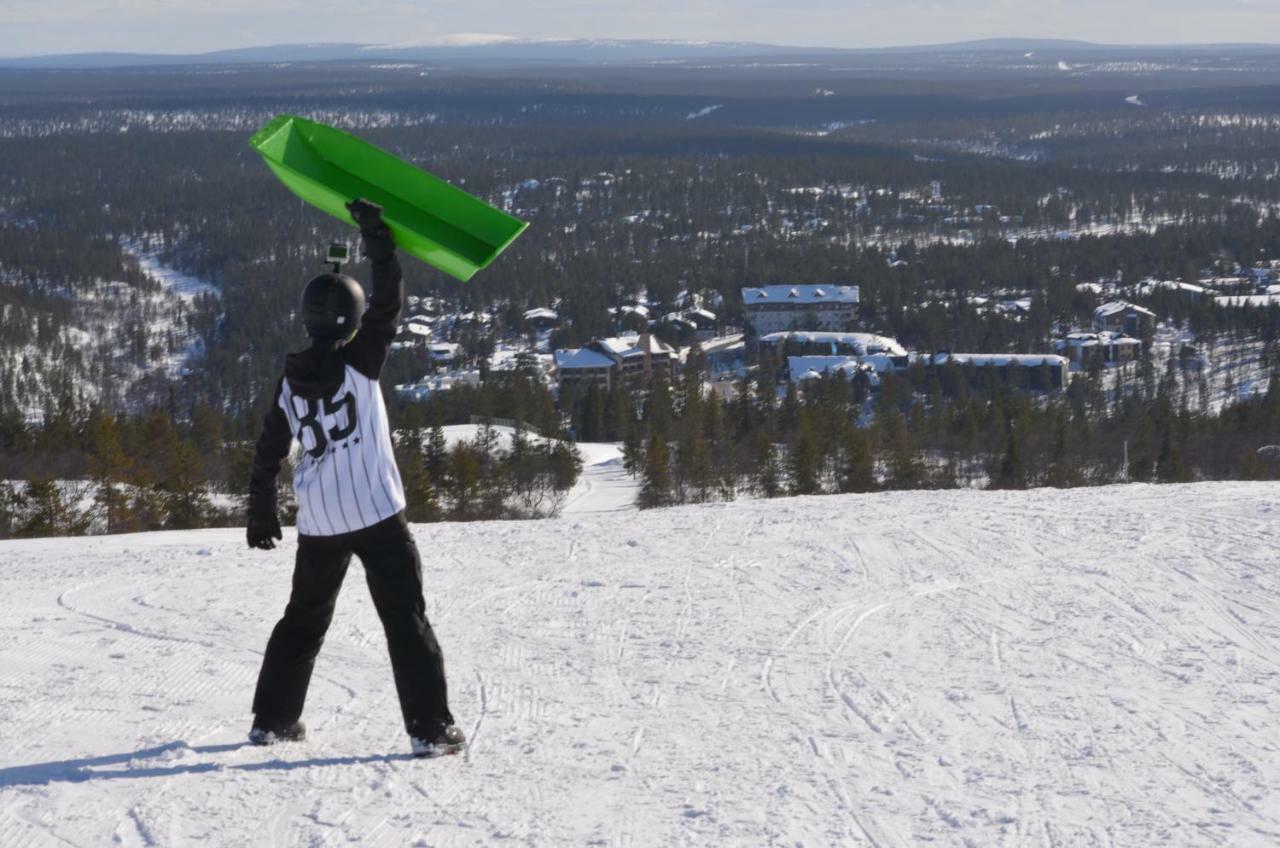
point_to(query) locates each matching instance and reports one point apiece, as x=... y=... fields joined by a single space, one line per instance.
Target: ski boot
x=448 y=740
x=264 y=733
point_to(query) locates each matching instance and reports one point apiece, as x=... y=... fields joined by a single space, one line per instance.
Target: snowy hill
x=1084 y=667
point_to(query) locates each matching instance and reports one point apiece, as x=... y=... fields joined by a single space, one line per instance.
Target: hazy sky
x=60 y=26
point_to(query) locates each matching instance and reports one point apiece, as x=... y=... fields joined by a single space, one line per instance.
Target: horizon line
x=500 y=41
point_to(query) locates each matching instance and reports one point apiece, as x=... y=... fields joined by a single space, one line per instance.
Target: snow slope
x=1087 y=667
x=604 y=485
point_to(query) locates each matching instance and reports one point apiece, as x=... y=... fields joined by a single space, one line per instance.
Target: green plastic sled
x=430 y=219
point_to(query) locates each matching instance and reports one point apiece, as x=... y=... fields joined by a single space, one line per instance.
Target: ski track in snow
x=1057 y=668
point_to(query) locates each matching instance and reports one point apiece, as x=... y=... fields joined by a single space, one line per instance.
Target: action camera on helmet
x=333 y=303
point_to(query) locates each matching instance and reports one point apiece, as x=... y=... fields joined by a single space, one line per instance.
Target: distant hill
x=504 y=51
x=500 y=51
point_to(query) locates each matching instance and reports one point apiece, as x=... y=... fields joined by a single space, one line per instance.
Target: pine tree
x=694 y=478
x=186 y=499
x=655 y=483
x=767 y=478
x=108 y=468
x=564 y=466
x=1062 y=471
x=10 y=502
x=905 y=469
x=493 y=490
x=659 y=412
x=462 y=482
x=857 y=468
x=422 y=500
x=43 y=510
x=1171 y=465
x=803 y=457
x=437 y=453
x=633 y=448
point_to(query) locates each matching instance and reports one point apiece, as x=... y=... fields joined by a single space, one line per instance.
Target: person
x=350 y=501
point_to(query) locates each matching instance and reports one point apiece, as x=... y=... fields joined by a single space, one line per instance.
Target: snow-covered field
x=1084 y=667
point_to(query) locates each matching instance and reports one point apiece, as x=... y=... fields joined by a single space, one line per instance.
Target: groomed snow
x=1087 y=667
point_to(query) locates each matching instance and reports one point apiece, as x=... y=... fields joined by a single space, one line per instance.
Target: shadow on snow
x=98 y=768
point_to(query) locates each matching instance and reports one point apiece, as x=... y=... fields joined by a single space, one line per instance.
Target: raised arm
x=368 y=350
x=273 y=447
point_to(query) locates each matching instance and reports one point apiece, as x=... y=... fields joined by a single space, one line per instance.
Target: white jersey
x=347 y=479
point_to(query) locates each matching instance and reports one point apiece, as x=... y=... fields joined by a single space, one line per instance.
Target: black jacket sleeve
x=273 y=447
x=368 y=350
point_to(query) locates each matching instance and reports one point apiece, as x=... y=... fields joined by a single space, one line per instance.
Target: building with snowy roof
x=855 y=344
x=801 y=368
x=1045 y=372
x=541 y=318
x=726 y=355
x=1189 y=292
x=581 y=366
x=1088 y=349
x=1121 y=317
x=1242 y=300
x=773 y=309
x=606 y=361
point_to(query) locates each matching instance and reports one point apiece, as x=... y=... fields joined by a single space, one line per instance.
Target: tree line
x=931 y=427
x=86 y=471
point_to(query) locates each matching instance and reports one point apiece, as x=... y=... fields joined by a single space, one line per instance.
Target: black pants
x=394 y=574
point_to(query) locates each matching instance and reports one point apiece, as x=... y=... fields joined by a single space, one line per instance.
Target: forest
x=152 y=399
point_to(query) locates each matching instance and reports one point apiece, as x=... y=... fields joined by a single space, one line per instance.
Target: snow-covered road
x=1092 y=667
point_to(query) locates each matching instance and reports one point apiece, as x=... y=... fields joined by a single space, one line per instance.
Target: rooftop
x=1116 y=307
x=862 y=343
x=581 y=357
x=1097 y=339
x=1000 y=360
x=799 y=294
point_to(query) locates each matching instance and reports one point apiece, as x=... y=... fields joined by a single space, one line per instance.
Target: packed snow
x=1083 y=667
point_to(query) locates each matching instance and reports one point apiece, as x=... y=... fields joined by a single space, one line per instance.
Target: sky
x=34 y=27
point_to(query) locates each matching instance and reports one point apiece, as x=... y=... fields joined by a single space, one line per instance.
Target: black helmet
x=332 y=305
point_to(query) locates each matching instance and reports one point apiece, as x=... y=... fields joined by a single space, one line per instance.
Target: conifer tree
x=1171 y=466
x=42 y=509
x=905 y=469
x=655 y=483
x=422 y=500
x=186 y=498
x=857 y=468
x=767 y=474
x=803 y=457
x=437 y=453
x=462 y=482
x=108 y=468
x=633 y=448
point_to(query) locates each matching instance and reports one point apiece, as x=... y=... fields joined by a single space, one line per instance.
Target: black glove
x=262 y=530
x=376 y=241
